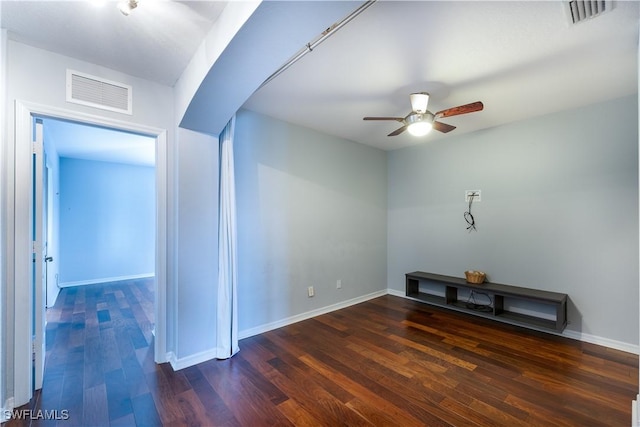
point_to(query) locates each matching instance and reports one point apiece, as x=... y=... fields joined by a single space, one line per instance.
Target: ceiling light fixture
x=420 y=124
x=127 y=6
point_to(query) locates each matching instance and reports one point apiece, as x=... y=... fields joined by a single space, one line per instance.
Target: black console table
x=442 y=291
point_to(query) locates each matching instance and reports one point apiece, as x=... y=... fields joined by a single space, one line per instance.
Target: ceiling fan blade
x=397 y=119
x=443 y=127
x=398 y=131
x=462 y=109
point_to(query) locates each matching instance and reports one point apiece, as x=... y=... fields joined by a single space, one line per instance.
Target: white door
x=39 y=255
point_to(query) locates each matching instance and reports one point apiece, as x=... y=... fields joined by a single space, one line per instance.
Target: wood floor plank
x=144 y=411
x=134 y=375
x=296 y=414
x=164 y=397
x=244 y=399
x=118 y=399
x=423 y=405
x=95 y=409
x=215 y=408
x=110 y=356
x=71 y=397
x=362 y=394
x=323 y=406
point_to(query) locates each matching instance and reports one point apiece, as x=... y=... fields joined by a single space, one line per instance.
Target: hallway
x=99 y=352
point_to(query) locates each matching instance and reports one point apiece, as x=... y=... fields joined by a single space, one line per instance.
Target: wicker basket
x=475 y=277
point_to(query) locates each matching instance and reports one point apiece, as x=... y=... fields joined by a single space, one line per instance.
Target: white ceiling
x=155 y=42
x=89 y=142
x=521 y=58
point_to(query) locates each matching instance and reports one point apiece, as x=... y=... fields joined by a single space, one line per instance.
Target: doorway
x=104 y=201
x=22 y=242
x=95 y=199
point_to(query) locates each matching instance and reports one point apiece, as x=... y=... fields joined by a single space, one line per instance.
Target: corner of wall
x=233 y=17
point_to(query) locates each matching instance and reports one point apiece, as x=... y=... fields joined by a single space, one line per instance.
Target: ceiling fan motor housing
x=419 y=102
x=420 y=117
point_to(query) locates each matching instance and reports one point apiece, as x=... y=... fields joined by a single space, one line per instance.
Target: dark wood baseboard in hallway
x=385 y=362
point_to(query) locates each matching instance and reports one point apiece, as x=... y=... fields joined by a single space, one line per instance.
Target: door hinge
x=35 y=147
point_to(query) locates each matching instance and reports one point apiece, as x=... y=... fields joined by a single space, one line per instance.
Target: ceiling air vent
x=582 y=10
x=98 y=92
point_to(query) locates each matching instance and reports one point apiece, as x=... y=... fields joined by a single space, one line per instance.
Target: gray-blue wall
x=559 y=211
x=311 y=210
x=107 y=221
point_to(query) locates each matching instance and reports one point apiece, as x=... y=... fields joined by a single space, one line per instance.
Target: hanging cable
x=312 y=45
x=468 y=216
x=473 y=304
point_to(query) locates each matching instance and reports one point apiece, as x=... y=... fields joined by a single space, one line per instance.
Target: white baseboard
x=634 y=412
x=580 y=336
x=194 y=359
x=308 y=315
x=106 y=280
x=396 y=293
x=605 y=342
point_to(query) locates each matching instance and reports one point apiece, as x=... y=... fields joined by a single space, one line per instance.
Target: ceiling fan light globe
x=420 y=128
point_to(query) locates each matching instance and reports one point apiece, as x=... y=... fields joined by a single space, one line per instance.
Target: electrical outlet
x=472 y=193
x=310 y=291
x=339 y=284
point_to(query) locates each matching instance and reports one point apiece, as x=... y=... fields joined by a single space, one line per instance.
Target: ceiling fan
x=420 y=121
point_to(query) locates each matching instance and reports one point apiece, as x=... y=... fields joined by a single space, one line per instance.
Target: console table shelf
x=448 y=298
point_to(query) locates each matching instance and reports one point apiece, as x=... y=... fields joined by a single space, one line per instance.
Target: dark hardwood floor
x=385 y=362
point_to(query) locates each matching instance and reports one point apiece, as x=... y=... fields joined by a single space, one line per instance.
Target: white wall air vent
x=582 y=10
x=98 y=92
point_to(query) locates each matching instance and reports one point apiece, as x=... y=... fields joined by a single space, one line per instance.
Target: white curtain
x=227 y=316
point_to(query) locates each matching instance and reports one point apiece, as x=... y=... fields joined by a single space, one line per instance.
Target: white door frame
x=22 y=213
x=38 y=252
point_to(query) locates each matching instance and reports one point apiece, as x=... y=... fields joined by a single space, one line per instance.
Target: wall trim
x=194 y=359
x=106 y=280
x=579 y=336
x=605 y=342
x=308 y=315
x=3 y=194
x=396 y=293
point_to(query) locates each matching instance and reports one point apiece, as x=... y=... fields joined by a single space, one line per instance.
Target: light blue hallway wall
x=107 y=221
